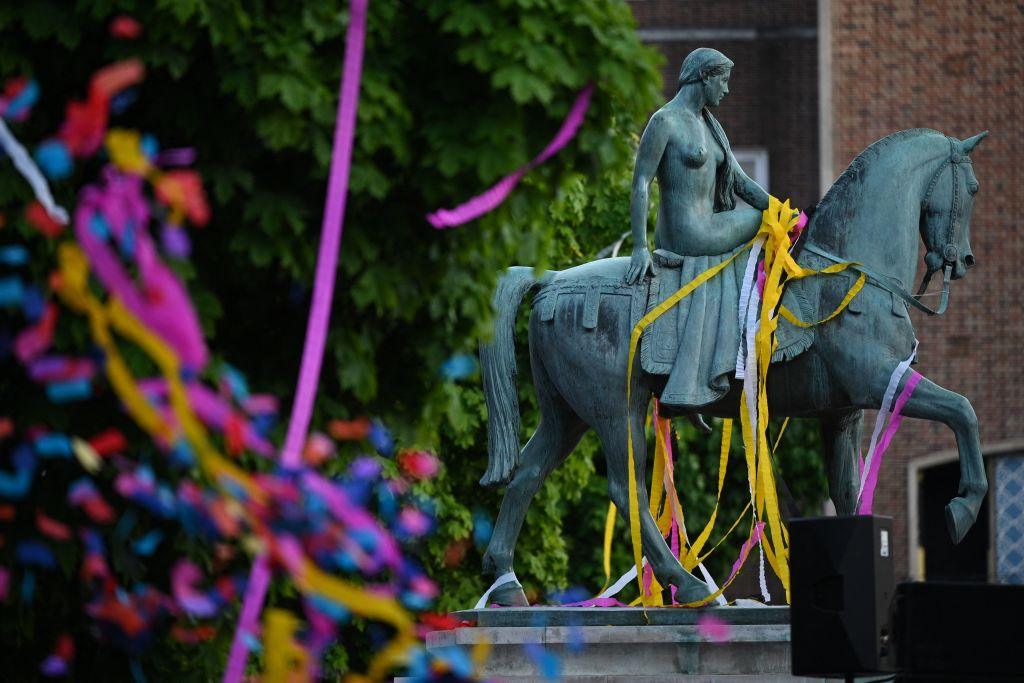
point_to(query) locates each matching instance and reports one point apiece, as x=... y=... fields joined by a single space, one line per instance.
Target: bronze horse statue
x=910 y=183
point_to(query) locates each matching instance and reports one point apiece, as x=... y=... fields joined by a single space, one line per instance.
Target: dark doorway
x=944 y=561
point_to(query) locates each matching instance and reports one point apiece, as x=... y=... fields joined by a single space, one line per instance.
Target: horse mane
x=856 y=171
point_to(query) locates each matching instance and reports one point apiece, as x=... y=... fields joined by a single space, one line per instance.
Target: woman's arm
x=746 y=189
x=648 y=158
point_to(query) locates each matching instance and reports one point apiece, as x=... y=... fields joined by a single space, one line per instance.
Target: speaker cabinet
x=842 y=580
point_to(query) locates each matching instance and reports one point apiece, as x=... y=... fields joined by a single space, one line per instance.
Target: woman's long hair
x=698 y=65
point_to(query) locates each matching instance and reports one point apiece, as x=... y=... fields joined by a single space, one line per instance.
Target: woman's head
x=708 y=66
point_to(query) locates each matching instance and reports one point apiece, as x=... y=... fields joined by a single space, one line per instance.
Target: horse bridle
x=950 y=252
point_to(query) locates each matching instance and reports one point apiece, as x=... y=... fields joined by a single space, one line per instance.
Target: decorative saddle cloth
x=696 y=341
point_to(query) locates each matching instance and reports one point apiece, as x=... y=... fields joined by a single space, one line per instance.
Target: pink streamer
x=648 y=578
x=162 y=303
x=319 y=314
x=490 y=199
x=597 y=602
x=745 y=550
x=868 y=494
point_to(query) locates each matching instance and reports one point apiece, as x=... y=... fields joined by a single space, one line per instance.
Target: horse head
x=946 y=210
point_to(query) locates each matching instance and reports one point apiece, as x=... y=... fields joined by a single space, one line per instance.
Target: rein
x=950 y=253
x=889 y=284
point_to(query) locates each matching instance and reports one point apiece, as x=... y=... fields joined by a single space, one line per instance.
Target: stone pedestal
x=617 y=644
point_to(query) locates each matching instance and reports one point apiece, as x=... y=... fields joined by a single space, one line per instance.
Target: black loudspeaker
x=842 y=580
x=958 y=631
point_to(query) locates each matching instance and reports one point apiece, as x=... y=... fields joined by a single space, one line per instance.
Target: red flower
x=418 y=464
x=114 y=78
x=38 y=218
x=85 y=124
x=108 y=441
x=349 y=430
x=125 y=27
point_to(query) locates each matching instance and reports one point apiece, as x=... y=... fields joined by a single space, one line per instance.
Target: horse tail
x=498 y=365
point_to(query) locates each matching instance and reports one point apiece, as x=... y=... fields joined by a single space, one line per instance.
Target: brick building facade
x=816 y=82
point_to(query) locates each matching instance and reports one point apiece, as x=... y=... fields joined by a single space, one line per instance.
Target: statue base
x=613 y=644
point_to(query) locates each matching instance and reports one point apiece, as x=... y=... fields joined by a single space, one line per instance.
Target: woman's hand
x=639 y=265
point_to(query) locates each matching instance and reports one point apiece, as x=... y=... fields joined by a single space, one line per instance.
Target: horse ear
x=970 y=143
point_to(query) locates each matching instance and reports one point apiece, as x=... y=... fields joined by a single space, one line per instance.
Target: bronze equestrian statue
x=911 y=185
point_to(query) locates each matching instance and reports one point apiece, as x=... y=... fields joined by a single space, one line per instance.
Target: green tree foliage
x=455 y=93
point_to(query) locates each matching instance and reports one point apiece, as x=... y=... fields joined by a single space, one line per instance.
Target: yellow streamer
x=609 y=532
x=728 y=533
x=286 y=660
x=74 y=291
x=691 y=560
x=854 y=290
x=776 y=223
x=658 y=479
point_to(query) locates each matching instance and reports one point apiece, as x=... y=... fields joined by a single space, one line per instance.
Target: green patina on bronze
x=910 y=186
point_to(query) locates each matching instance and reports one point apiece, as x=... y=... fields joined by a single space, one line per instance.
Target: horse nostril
x=969 y=261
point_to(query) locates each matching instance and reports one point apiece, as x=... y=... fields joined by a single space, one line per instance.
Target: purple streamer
x=490 y=199
x=248 y=620
x=320 y=311
x=868 y=494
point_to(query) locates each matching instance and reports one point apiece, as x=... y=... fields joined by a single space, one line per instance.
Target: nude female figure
x=686 y=149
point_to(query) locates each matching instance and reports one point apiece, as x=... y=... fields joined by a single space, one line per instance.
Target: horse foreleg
x=840 y=436
x=932 y=402
x=555 y=438
x=664 y=563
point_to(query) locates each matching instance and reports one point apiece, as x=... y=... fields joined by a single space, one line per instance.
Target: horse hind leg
x=556 y=436
x=932 y=402
x=840 y=440
x=664 y=563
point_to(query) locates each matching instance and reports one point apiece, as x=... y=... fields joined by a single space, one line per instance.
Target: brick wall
x=952 y=65
x=773 y=101
x=718 y=14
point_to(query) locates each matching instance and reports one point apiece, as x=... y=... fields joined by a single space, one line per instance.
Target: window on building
x=754 y=162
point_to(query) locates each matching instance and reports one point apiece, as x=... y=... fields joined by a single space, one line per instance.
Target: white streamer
x=23 y=162
x=614 y=589
x=764 y=583
x=884 y=411
x=746 y=290
x=711 y=584
x=750 y=378
x=507 y=577
x=629 y=576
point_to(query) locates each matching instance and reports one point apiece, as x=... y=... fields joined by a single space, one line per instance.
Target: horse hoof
x=694 y=592
x=509 y=595
x=959 y=519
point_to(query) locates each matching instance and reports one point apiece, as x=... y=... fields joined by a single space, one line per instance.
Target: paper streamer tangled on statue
x=170 y=465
